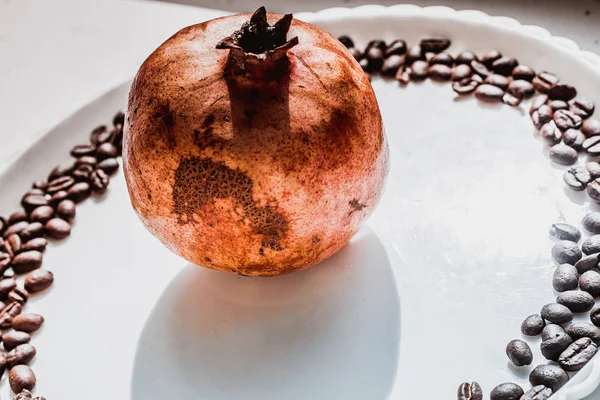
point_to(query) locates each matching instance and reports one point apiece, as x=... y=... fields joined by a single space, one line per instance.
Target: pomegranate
x=253 y=144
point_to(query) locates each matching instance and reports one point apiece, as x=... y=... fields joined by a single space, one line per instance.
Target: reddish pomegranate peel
x=253 y=144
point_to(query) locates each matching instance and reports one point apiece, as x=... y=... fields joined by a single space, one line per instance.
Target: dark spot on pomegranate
x=165 y=115
x=316 y=239
x=356 y=205
x=207 y=259
x=200 y=181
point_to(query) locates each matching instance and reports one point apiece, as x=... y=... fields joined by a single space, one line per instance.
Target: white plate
x=425 y=297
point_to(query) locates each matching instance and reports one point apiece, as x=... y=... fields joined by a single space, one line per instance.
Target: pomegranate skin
x=261 y=179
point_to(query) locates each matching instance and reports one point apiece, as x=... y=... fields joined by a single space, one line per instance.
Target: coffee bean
x=563 y=154
x=577 y=178
x=590 y=282
x=414 y=53
x=108 y=150
x=497 y=80
x=33 y=230
x=83 y=150
x=354 y=52
x=511 y=100
x=3 y=225
x=403 y=75
x=593 y=190
x=593 y=168
x=111 y=165
x=6 y=286
x=583 y=329
x=41 y=214
x=470 y=391
x=467 y=85
x=374 y=55
x=38 y=280
x=27 y=322
x=562 y=92
x=58 y=197
x=583 y=108
x=591 y=222
x=38 y=244
x=552 y=348
x=22 y=354
x=87 y=160
x=544 y=81
x=27 y=261
x=21 y=377
x=519 y=353
x=523 y=72
x=577 y=354
x=18 y=295
x=595 y=315
x=521 y=89
x=591 y=245
x=591 y=127
x=58 y=228
x=556 y=313
x=558 y=105
x=435 y=45
x=461 y=72
x=549 y=375
x=488 y=93
x=8 y=313
x=13 y=245
x=533 y=325
x=440 y=72
x=565 y=278
x=537 y=102
x=5 y=260
x=419 y=70
x=504 y=66
x=592 y=145
x=541 y=116
x=97 y=131
x=16 y=228
x=488 y=58
x=58 y=184
x=576 y=300
x=39 y=185
x=13 y=339
x=466 y=57
x=346 y=41
x=574 y=138
x=66 y=210
x=587 y=263
x=82 y=173
x=565 y=232
x=566 y=252
x=539 y=392
x=552 y=331
x=61 y=170
x=550 y=133
x=79 y=192
x=390 y=68
x=507 y=391
x=32 y=201
x=397 y=47
x=565 y=119
x=442 y=58
x=480 y=69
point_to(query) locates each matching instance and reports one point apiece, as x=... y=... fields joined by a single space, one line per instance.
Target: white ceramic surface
x=426 y=296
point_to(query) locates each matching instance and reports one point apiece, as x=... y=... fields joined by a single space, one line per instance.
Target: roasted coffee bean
x=58 y=184
x=13 y=245
x=86 y=160
x=17 y=216
x=21 y=377
x=591 y=222
x=519 y=353
x=562 y=91
x=22 y=354
x=461 y=72
x=38 y=280
x=83 y=150
x=364 y=64
x=566 y=252
x=577 y=354
x=565 y=119
x=466 y=57
x=593 y=190
x=488 y=58
x=504 y=66
x=537 y=102
x=587 y=263
x=58 y=197
x=565 y=278
x=591 y=245
x=5 y=260
x=27 y=322
x=558 y=105
x=440 y=72
x=27 y=261
x=511 y=100
x=38 y=244
x=403 y=75
x=523 y=72
x=488 y=93
x=82 y=173
x=3 y=225
x=480 y=69
x=498 y=81
x=556 y=313
x=32 y=201
x=579 y=330
x=79 y=192
x=397 y=47
x=521 y=88
x=552 y=331
x=8 y=313
x=577 y=178
x=414 y=53
x=550 y=133
x=97 y=131
x=24 y=395
x=541 y=116
x=592 y=145
x=419 y=70
x=595 y=315
x=593 y=168
x=58 y=228
x=549 y=375
x=507 y=391
x=111 y=165
x=16 y=228
x=435 y=45
x=552 y=348
x=574 y=138
x=590 y=282
x=39 y=185
x=346 y=41
x=41 y=214
x=563 y=154
x=33 y=230
x=470 y=391
x=13 y=339
x=467 y=85
x=390 y=68
x=576 y=300
x=533 y=325
x=356 y=53
x=539 y=392
x=564 y=231
x=18 y=295
x=374 y=55
x=544 y=81
x=61 y=170
x=99 y=180
x=66 y=210
x=442 y=58
x=376 y=43
x=591 y=127
x=583 y=108
x=6 y=286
